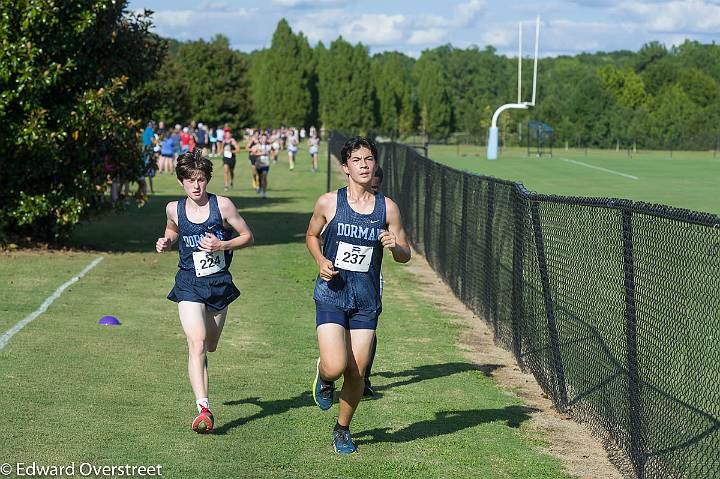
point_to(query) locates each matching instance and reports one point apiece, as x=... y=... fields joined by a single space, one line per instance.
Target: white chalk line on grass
x=601 y=169
x=5 y=338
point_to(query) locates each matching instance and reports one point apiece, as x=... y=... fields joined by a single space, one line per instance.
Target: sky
x=411 y=26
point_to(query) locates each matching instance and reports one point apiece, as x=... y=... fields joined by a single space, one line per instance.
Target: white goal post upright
x=520 y=105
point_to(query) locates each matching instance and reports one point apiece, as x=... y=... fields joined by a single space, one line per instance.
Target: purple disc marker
x=109 y=321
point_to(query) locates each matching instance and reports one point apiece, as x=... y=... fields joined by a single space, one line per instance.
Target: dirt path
x=582 y=453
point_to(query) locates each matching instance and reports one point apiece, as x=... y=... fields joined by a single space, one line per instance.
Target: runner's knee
x=331 y=372
x=196 y=347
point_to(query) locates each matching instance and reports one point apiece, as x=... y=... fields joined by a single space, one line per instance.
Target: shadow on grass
x=135 y=230
x=267 y=408
x=446 y=422
x=431 y=371
x=281 y=406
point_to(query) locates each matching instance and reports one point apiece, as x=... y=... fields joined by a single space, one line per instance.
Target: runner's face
x=375 y=184
x=195 y=187
x=361 y=166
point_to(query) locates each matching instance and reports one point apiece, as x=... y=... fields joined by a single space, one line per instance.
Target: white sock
x=202 y=402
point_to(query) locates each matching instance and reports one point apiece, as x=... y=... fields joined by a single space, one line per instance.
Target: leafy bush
x=71 y=77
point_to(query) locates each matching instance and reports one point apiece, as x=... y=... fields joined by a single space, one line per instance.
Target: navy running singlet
x=203 y=264
x=351 y=243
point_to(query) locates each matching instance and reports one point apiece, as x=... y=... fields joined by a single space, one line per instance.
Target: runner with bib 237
x=346 y=236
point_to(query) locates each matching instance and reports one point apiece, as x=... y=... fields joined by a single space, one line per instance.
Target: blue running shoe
x=342 y=442
x=323 y=391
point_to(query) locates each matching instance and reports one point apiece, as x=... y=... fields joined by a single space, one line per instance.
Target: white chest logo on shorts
x=352 y=257
x=208 y=263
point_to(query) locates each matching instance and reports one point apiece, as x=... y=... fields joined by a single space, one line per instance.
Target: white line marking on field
x=5 y=338
x=601 y=169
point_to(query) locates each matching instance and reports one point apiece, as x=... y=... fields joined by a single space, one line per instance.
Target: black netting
x=614 y=306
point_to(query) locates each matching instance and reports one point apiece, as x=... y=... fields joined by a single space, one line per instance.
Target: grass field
x=686 y=180
x=74 y=391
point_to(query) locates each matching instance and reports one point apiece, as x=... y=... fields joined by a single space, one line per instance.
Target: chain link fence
x=613 y=305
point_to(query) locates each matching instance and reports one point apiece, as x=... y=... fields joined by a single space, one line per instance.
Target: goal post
x=493 y=133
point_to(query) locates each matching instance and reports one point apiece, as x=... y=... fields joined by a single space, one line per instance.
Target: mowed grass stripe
x=685 y=180
x=82 y=392
x=27 y=279
x=612 y=172
x=5 y=338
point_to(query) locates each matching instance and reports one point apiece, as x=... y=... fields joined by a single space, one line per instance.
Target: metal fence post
x=329 y=157
x=465 y=243
x=637 y=453
x=416 y=171
x=561 y=400
x=490 y=313
x=518 y=309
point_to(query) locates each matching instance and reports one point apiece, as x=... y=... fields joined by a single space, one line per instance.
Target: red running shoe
x=204 y=421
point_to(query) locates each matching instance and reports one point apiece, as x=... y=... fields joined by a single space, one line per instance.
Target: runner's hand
x=163 y=244
x=327 y=271
x=388 y=239
x=210 y=243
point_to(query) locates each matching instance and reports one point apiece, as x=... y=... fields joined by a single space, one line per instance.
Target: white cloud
x=373 y=29
x=309 y=3
x=500 y=37
x=467 y=13
x=198 y=23
x=693 y=16
x=424 y=37
x=391 y=30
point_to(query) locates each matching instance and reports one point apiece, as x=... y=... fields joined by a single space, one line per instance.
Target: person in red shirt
x=185 y=138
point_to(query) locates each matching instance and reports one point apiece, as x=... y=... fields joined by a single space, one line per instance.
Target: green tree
x=673 y=117
x=204 y=81
x=71 y=77
x=625 y=86
x=433 y=97
x=283 y=80
x=346 y=91
x=391 y=71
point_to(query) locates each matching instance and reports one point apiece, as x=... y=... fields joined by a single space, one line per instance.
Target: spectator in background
x=167 y=154
x=185 y=140
x=148 y=135
x=201 y=138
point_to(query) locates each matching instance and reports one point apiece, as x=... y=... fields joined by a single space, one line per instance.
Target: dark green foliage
x=434 y=101
x=283 y=81
x=396 y=108
x=203 y=81
x=70 y=78
x=345 y=86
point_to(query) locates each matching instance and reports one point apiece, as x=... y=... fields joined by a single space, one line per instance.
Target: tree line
x=79 y=80
x=654 y=98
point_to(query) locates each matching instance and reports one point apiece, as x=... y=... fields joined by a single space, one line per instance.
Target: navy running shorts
x=349 y=319
x=262 y=169
x=229 y=161
x=216 y=291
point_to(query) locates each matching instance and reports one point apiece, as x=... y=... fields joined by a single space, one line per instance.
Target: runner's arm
x=394 y=238
x=313 y=239
x=230 y=214
x=172 y=233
